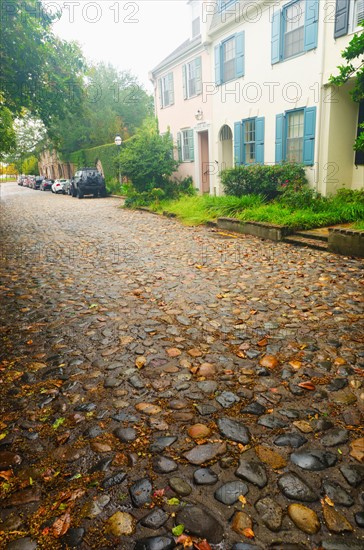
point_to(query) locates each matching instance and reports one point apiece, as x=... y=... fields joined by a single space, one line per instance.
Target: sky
x=131 y=35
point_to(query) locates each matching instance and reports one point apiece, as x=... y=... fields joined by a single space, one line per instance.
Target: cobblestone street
x=155 y=376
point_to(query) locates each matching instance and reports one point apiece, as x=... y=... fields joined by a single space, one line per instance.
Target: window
x=294 y=29
x=185 y=145
x=249 y=141
x=295 y=136
x=192 y=78
x=166 y=91
x=223 y=4
x=229 y=58
x=357 y=15
x=294 y=23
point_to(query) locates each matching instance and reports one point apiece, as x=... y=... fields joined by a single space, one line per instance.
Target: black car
x=46 y=185
x=37 y=182
x=87 y=181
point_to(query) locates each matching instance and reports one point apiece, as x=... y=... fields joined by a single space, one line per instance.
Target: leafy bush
x=267 y=180
x=147 y=158
x=169 y=189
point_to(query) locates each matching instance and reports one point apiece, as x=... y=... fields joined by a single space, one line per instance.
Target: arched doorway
x=225 y=147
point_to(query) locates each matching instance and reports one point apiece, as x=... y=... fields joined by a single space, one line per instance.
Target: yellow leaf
x=328 y=501
x=242 y=499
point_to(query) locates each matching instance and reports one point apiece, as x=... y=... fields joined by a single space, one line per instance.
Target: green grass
x=359 y=225
x=322 y=212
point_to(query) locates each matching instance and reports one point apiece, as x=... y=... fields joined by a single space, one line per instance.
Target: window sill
x=286 y=59
x=192 y=96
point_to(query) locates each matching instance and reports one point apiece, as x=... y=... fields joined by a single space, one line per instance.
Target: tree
x=7 y=132
x=39 y=72
x=354 y=69
x=147 y=157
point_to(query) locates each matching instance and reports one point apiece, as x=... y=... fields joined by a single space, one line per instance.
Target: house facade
x=265 y=92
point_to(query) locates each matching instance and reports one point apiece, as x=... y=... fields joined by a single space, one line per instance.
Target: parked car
x=21 y=180
x=37 y=182
x=46 y=185
x=88 y=181
x=58 y=186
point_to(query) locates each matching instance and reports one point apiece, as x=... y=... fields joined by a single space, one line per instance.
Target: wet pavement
x=168 y=387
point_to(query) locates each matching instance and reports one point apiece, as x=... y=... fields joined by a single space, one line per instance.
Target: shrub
x=267 y=180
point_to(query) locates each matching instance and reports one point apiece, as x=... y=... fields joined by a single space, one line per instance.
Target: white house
x=265 y=93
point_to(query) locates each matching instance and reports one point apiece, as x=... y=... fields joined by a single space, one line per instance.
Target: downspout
x=321 y=104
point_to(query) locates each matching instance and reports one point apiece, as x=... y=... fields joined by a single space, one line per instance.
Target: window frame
x=166 y=83
x=186 y=143
x=353 y=27
x=300 y=28
x=195 y=65
x=288 y=115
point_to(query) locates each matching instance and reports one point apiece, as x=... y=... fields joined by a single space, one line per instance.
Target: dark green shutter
x=171 y=88
x=198 y=75
x=184 y=80
x=191 y=144
x=179 y=146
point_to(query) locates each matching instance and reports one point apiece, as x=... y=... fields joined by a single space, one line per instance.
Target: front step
x=298 y=240
x=313 y=234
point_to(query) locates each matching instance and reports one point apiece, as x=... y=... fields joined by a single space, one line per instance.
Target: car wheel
x=103 y=192
x=79 y=194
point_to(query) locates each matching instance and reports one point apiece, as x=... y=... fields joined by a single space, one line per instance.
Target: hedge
x=267 y=180
x=89 y=157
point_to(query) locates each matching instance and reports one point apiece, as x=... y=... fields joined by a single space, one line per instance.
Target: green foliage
x=146 y=158
x=170 y=189
x=267 y=180
x=113 y=102
x=30 y=166
x=89 y=157
x=7 y=132
x=39 y=71
x=302 y=209
x=354 y=68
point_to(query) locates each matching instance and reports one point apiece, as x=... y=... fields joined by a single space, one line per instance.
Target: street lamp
x=118 y=141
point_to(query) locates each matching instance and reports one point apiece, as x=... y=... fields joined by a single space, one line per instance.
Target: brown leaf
x=263 y=342
x=307 y=386
x=6 y=474
x=203 y=545
x=248 y=533
x=61 y=525
x=269 y=361
x=295 y=364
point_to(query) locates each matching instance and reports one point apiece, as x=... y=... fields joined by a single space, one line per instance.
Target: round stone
x=314 y=460
x=251 y=471
x=304 y=518
x=270 y=513
x=205 y=476
x=201 y=522
x=198 y=431
x=240 y=522
x=164 y=465
x=295 y=488
x=125 y=434
x=180 y=486
x=230 y=492
x=121 y=523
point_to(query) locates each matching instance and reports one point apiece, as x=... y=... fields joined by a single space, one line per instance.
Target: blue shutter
x=191 y=145
x=218 y=65
x=341 y=18
x=171 y=88
x=237 y=142
x=259 y=140
x=198 y=73
x=276 y=38
x=280 y=119
x=184 y=80
x=309 y=136
x=179 y=146
x=311 y=24
x=239 y=54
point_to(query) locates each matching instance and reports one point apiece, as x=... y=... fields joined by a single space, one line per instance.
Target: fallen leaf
x=248 y=533
x=173 y=501
x=178 y=530
x=269 y=361
x=307 y=386
x=140 y=362
x=242 y=499
x=328 y=501
x=6 y=474
x=295 y=364
x=61 y=525
x=263 y=342
x=203 y=545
